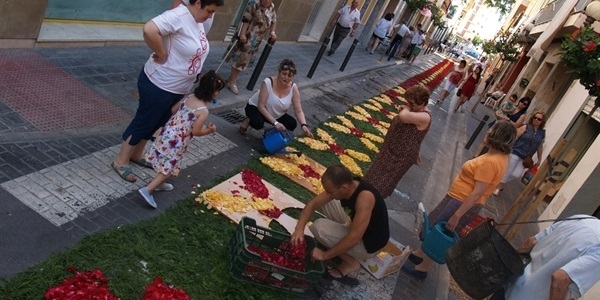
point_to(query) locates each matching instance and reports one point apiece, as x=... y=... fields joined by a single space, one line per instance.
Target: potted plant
x=581 y=54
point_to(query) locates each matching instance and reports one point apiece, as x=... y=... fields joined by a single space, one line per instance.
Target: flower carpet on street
x=188 y=244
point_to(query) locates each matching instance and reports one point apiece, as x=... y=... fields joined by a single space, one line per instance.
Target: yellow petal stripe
x=370 y=107
x=282 y=166
x=362 y=111
x=316 y=183
x=345 y=121
x=314 y=144
x=358 y=156
x=357 y=116
x=381 y=129
x=373 y=137
x=375 y=103
x=369 y=145
x=325 y=137
x=299 y=160
x=338 y=127
x=349 y=163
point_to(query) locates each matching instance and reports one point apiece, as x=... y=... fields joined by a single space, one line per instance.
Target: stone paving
x=65 y=191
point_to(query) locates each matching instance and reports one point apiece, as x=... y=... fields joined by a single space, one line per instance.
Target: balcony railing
x=551 y=9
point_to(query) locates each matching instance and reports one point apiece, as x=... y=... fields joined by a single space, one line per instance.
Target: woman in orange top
x=469 y=191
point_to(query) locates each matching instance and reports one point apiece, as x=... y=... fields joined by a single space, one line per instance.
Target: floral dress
x=167 y=151
x=260 y=20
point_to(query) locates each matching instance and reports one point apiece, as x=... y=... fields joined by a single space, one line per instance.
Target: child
x=509 y=106
x=187 y=121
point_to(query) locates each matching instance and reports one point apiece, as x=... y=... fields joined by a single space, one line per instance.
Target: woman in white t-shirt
x=178 y=41
x=277 y=94
x=207 y=24
x=382 y=28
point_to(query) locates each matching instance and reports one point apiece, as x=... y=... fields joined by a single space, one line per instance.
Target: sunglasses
x=539 y=119
x=288 y=67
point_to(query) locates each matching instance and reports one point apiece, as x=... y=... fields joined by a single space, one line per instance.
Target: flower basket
x=581 y=53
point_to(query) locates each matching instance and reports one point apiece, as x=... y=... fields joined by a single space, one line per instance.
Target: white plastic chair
x=493 y=103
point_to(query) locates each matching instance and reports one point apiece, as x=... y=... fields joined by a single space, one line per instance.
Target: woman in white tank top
x=271 y=103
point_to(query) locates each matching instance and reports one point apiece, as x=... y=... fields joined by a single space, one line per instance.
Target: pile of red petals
x=254 y=184
x=158 y=290
x=356 y=132
x=309 y=172
x=82 y=285
x=287 y=255
x=337 y=149
x=272 y=213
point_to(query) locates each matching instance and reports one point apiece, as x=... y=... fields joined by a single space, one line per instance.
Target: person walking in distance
x=401 y=32
x=346 y=21
x=258 y=19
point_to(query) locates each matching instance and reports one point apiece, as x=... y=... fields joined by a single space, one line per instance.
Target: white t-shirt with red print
x=187 y=48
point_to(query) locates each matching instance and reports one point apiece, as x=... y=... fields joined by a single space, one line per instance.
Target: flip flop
x=124 y=172
x=142 y=163
x=349 y=281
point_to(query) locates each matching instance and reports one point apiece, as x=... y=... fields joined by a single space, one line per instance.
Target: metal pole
x=477 y=130
x=348 y=55
x=259 y=66
x=315 y=63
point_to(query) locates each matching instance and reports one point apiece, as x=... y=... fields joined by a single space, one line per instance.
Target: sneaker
x=147 y=197
x=410 y=270
x=233 y=88
x=497 y=192
x=166 y=187
x=244 y=125
x=415 y=259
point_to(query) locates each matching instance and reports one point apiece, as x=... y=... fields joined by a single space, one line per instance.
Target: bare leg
x=375 y=45
x=157 y=181
x=443 y=95
x=125 y=153
x=419 y=253
x=348 y=265
x=459 y=102
x=233 y=76
x=371 y=43
x=425 y=265
x=138 y=150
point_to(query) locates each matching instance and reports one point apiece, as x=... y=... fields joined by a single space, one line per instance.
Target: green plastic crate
x=247 y=266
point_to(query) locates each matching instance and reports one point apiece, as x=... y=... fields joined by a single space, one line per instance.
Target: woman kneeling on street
x=271 y=103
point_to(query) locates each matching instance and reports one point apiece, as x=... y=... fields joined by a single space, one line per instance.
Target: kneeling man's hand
x=318 y=254
x=297 y=237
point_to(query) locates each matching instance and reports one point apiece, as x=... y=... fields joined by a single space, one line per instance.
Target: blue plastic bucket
x=275 y=140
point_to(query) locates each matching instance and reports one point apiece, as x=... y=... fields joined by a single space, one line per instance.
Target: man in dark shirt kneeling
x=358 y=236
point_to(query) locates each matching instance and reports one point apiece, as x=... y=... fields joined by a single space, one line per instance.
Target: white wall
x=568 y=109
x=580 y=174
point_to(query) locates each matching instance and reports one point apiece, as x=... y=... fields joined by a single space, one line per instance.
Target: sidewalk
x=62 y=111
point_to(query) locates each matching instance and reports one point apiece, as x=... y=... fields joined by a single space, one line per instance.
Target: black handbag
x=458 y=93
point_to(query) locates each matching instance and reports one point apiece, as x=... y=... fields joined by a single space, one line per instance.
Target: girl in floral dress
x=187 y=121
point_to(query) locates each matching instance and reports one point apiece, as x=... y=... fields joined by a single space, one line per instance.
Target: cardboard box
x=388 y=260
